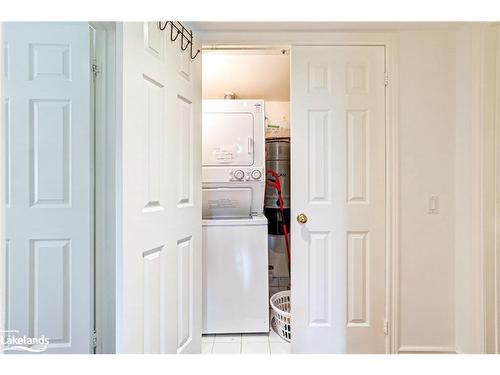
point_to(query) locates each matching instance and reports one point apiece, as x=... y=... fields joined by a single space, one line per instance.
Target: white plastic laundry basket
x=281 y=317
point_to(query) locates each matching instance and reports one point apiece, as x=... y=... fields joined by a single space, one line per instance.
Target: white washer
x=235 y=282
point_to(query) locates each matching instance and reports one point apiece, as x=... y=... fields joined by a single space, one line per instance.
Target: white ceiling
x=254 y=75
x=316 y=26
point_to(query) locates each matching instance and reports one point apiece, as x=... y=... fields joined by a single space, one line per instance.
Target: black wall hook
x=196 y=54
x=185 y=33
x=173 y=39
x=188 y=42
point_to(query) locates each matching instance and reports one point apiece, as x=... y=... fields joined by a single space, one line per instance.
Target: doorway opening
x=237 y=79
x=338 y=170
x=259 y=73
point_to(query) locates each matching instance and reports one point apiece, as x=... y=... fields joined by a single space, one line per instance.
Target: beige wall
x=277 y=119
x=427 y=168
x=250 y=74
x=490 y=106
x=446 y=128
x=466 y=190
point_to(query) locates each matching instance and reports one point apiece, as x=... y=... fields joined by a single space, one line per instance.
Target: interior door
x=338 y=183
x=159 y=282
x=48 y=183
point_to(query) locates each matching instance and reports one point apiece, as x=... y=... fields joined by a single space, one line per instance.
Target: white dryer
x=233 y=153
x=235 y=259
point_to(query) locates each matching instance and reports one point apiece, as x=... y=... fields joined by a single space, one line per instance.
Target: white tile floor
x=251 y=343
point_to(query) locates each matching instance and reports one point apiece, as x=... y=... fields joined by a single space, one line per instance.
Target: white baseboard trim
x=427 y=350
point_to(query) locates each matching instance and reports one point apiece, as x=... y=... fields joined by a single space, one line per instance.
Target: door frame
x=3 y=304
x=105 y=188
x=497 y=199
x=390 y=42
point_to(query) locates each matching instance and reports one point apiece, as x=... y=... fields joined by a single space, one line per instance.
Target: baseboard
x=427 y=350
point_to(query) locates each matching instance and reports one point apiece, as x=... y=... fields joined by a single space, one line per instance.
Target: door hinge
x=386 y=327
x=386 y=80
x=95 y=69
x=94 y=339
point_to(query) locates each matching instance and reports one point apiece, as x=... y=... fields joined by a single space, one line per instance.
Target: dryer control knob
x=256 y=174
x=238 y=174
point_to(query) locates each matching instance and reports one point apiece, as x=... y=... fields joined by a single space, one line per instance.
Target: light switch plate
x=434 y=204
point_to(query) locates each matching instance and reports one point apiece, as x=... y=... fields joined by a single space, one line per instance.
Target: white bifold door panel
x=159 y=270
x=48 y=183
x=338 y=182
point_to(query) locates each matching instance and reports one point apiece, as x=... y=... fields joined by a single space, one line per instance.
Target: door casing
x=2 y=184
x=497 y=200
x=105 y=186
x=390 y=42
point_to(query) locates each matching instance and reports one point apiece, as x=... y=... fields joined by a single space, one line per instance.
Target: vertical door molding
x=497 y=200
x=392 y=194
x=2 y=182
x=105 y=186
x=488 y=118
x=493 y=316
x=476 y=311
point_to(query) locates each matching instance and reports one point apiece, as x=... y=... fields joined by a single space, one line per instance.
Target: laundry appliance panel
x=228 y=139
x=235 y=276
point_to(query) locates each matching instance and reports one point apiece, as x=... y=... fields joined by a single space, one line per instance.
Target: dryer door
x=228 y=138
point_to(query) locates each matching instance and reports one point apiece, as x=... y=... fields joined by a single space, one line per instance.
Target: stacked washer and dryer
x=235 y=255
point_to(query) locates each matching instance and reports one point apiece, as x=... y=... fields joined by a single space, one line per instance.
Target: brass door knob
x=302 y=218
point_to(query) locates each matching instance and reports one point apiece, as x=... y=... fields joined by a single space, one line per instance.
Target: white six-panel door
x=159 y=278
x=48 y=183
x=338 y=182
